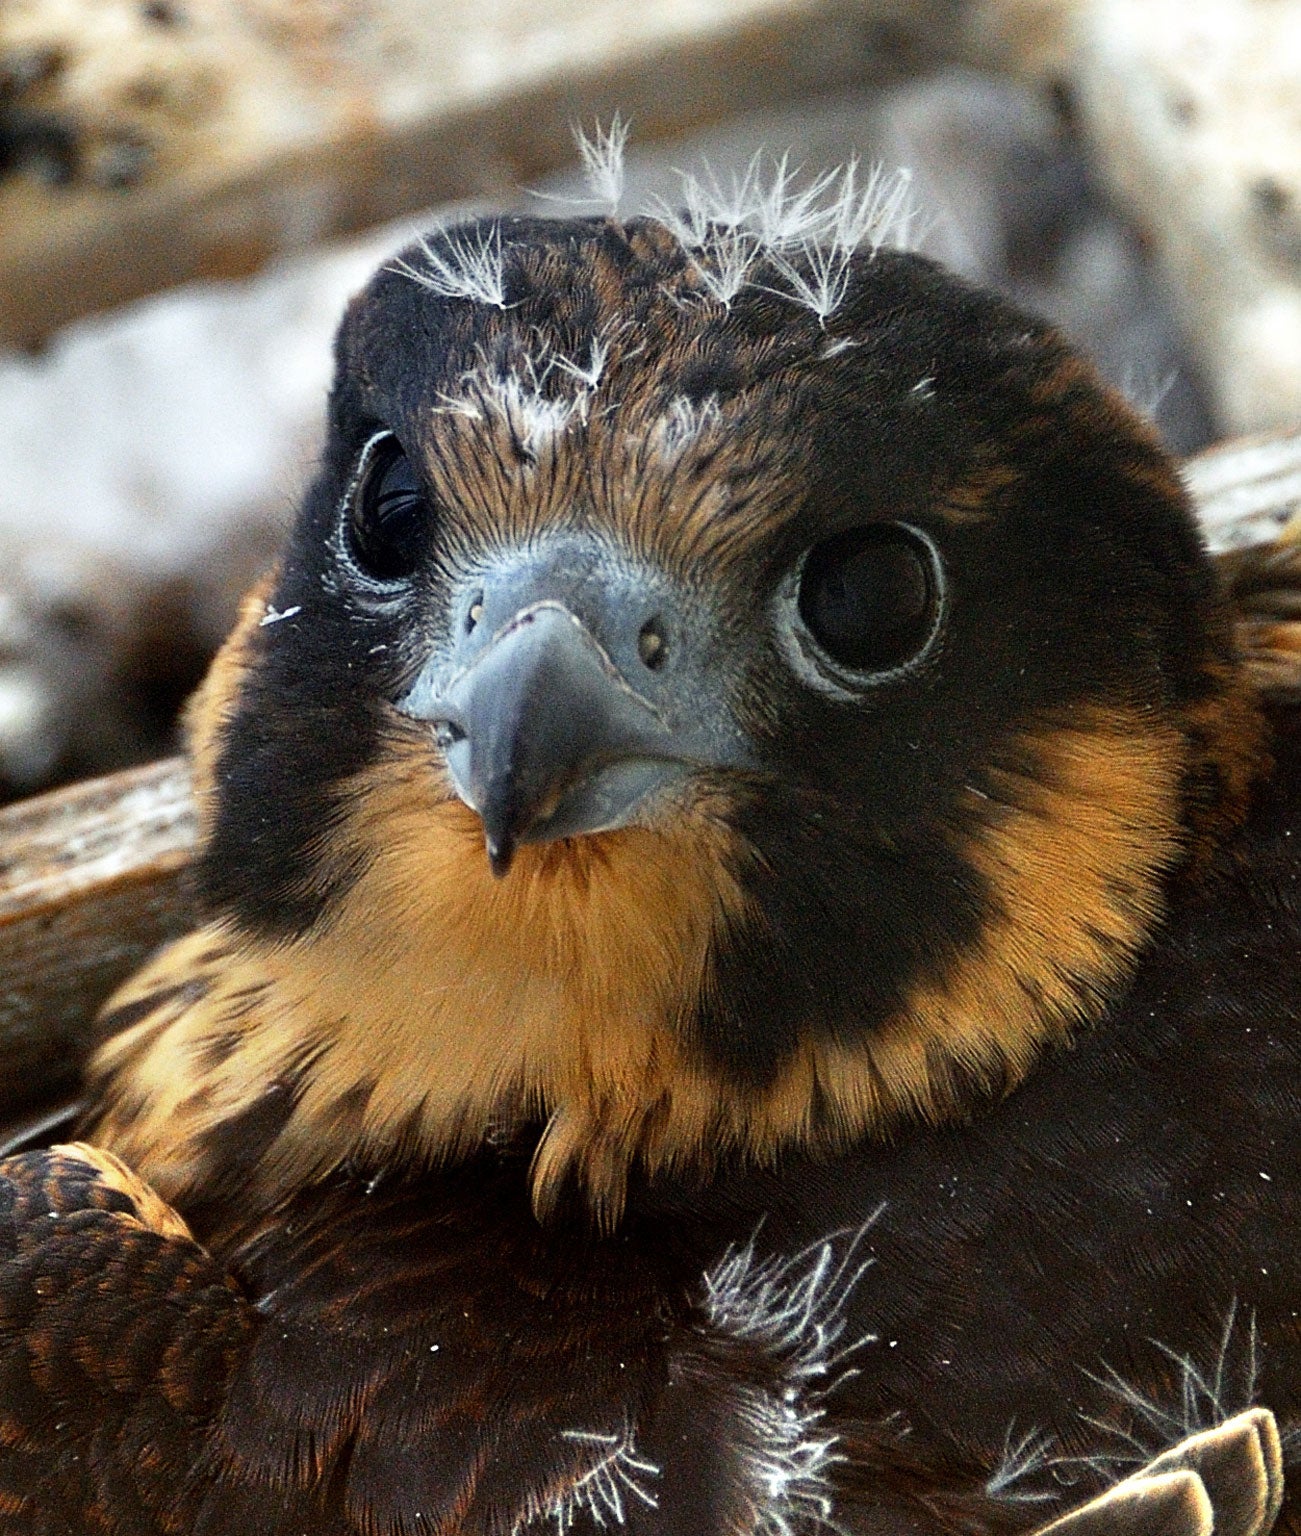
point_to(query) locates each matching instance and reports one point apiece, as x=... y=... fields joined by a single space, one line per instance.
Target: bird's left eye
x=389 y=516
x=869 y=597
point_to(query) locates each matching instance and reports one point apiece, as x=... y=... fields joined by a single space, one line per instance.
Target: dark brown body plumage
x=861 y=1094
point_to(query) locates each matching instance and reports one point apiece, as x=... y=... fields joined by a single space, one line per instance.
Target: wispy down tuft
x=618 y=1478
x=1146 y=391
x=770 y=206
x=794 y=1310
x=723 y=258
x=795 y=1306
x=460 y=264
x=524 y=398
x=816 y=267
x=803 y=230
x=1024 y=1458
x=808 y=228
x=588 y=374
x=1209 y=1394
x=602 y=157
x=685 y=422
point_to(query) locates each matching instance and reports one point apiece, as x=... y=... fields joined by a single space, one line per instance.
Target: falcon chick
x=745 y=979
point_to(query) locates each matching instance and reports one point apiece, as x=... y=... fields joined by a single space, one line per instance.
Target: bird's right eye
x=389 y=516
x=870 y=598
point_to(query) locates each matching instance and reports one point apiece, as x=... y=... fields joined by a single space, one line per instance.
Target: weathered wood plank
x=92 y=879
x=1248 y=489
x=200 y=140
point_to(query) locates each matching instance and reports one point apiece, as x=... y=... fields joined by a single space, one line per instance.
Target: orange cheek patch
x=214 y=702
x=1074 y=846
x=436 y=1001
x=1074 y=852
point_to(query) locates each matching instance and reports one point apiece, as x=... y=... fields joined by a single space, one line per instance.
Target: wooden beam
x=92 y=880
x=1248 y=489
x=199 y=140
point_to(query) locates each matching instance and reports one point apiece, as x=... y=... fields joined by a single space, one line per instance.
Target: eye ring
x=840 y=667
x=386 y=518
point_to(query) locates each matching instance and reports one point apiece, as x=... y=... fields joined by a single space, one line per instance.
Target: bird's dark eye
x=389 y=519
x=869 y=597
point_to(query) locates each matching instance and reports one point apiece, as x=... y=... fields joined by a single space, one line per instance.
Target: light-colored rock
x=1193 y=111
x=151 y=460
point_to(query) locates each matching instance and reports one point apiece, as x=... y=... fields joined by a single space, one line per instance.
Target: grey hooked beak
x=543 y=735
x=573 y=689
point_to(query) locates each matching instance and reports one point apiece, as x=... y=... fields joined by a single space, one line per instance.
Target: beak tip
x=501 y=855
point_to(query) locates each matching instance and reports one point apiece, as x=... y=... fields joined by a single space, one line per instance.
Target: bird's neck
x=438 y=1008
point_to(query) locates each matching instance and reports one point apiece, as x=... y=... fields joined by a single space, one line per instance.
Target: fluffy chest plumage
x=1025 y=1305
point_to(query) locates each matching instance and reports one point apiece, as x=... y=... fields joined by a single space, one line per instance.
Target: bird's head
x=695 y=718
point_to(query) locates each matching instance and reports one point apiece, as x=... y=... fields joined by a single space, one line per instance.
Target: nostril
x=447 y=734
x=651 y=645
x=474 y=613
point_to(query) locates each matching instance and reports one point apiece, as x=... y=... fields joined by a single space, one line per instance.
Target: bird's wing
x=118 y=1333
x=119 y=1336
x=1227 y=1480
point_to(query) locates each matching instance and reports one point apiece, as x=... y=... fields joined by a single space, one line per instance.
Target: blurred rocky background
x=190 y=190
